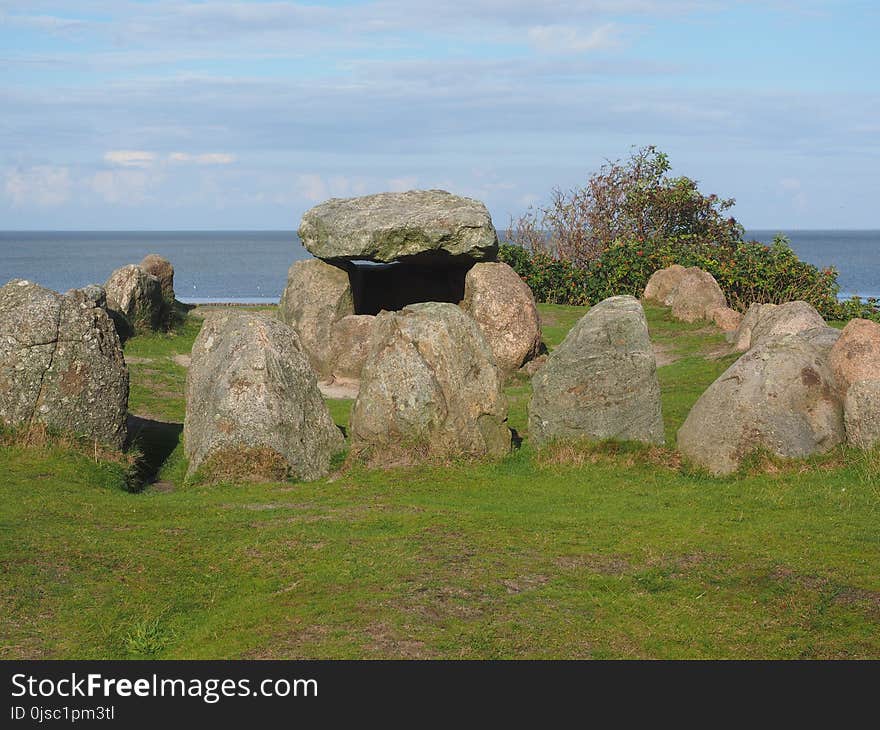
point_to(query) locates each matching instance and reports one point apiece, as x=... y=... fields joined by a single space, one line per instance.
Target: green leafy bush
x=747 y=272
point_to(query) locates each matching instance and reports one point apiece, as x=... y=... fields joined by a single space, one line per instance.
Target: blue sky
x=175 y=115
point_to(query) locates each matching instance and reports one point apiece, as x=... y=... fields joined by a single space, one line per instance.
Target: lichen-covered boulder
x=350 y=345
x=161 y=268
x=316 y=297
x=250 y=392
x=134 y=297
x=61 y=364
x=416 y=225
x=504 y=308
x=663 y=284
x=726 y=319
x=430 y=385
x=784 y=319
x=856 y=355
x=779 y=397
x=861 y=409
x=696 y=296
x=601 y=382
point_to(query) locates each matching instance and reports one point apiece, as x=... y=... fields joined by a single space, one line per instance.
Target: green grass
x=625 y=556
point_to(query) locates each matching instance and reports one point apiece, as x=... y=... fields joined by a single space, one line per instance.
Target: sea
x=251 y=266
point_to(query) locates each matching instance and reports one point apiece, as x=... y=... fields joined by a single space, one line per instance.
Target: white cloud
x=130 y=158
x=42 y=186
x=568 y=39
x=208 y=158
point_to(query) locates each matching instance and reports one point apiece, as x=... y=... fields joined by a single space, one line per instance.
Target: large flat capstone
x=424 y=225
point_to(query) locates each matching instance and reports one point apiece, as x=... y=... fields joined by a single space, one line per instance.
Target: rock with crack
x=61 y=364
x=253 y=404
x=601 y=382
x=779 y=396
x=430 y=385
x=423 y=225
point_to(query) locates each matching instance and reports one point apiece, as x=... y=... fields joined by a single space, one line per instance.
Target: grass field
x=598 y=552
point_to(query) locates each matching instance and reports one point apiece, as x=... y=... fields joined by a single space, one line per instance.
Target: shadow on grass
x=156 y=441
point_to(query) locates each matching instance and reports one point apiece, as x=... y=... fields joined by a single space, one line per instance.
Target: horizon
x=245 y=114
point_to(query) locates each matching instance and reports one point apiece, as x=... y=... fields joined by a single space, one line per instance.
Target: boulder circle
x=856 y=355
x=861 y=409
x=601 y=382
x=504 y=308
x=61 y=364
x=316 y=297
x=418 y=224
x=430 y=383
x=779 y=396
x=250 y=390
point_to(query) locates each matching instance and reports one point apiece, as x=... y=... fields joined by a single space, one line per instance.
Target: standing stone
x=316 y=297
x=250 y=391
x=601 y=382
x=135 y=298
x=427 y=225
x=856 y=355
x=504 y=308
x=430 y=384
x=779 y=396
x=663 y=284
x=696 y=296
x=861 y=409
x=61 y=364
x=161 y=268
x=351 y=344
x=784 y=319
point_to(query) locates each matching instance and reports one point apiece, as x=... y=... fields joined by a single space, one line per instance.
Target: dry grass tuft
x=245 y=464
x=581 y=452
x=39 y=437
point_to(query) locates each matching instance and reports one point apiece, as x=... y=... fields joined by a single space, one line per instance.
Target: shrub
x=748 y=272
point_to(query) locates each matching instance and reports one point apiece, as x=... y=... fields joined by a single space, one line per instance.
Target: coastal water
x=251 y=266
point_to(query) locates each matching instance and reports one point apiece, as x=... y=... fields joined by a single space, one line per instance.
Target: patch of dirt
x=387 y=643
x=183 y=360
x=663 y=354
x=162 y=486
x=524 y=583
x=601 y=564
x=339 y=388
x=134 y=360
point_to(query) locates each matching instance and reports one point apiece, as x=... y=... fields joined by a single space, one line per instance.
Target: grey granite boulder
x=779 y=396
x=784 y=319
x=504 y=308
x=250 y=390
x=430 y=385
x=317 y=296
x=416 y=225
x=862 y=413
x=134 y=298
x=741 y=338
x=601 y=382
x=61 y=363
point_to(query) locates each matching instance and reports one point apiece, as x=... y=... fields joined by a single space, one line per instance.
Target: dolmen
x=384 y=252
x=61 y=363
